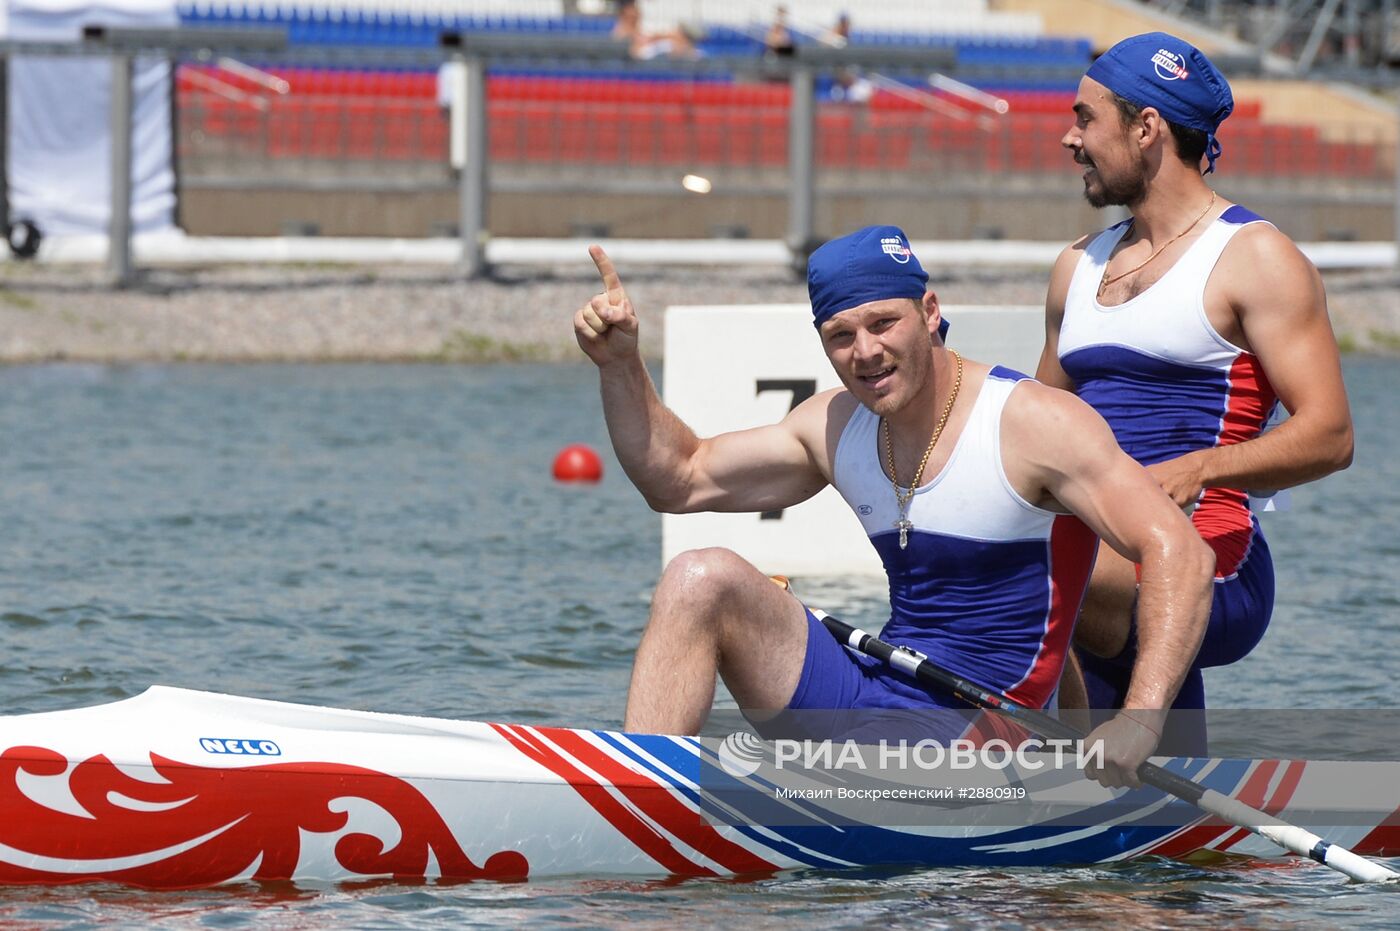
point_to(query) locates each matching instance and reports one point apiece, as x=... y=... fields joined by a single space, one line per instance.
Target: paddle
x=1289 y=837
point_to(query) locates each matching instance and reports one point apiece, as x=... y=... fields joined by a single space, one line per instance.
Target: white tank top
x=1168 y=321
x=1167 y=383
x=989 y=584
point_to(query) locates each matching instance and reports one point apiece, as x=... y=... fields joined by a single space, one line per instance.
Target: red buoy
x=578 y=463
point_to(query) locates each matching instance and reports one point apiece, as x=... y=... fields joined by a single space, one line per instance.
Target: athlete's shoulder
x=1237 y=215
x=837 y=398
x=1037 y=404
x=1068 y=259
x=1071 y=253
x=1007 y=374
x=1062 y=273
x=1050 y=427
x=1254 y=234
x=1260 y=257
x=1084 y=241
x=824 y=405
x=820 y=420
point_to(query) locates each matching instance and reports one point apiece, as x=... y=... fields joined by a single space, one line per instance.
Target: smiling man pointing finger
x=965 y=477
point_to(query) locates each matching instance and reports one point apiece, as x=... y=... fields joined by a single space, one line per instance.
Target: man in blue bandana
x=963 y=476
x=1185 y=326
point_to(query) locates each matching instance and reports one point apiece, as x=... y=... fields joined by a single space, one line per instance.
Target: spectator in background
x=642 y=45
x=839 y=35
x=778 y=41
x=850 y=86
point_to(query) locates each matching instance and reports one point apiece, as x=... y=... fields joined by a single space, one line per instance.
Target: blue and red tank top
x=990 y=584
x=1167 y=383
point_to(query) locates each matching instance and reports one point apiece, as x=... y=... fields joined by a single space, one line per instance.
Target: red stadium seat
x=380 y=115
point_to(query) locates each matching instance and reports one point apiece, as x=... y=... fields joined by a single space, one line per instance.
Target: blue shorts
x=844 y=694
x=1240 y=609
x=834 y=677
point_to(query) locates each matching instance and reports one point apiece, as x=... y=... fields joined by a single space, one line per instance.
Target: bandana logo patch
x=1170 y=66
x=895 y=248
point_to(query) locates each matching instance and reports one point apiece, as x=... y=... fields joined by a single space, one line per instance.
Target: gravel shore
x=423 y=313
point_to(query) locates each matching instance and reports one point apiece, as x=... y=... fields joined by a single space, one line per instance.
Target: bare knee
x=705 y=581
x=709 y=596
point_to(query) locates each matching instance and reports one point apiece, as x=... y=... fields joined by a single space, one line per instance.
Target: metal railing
x=472 y=52
x=244 y=124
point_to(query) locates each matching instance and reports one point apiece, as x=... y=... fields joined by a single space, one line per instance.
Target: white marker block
x=736 y=367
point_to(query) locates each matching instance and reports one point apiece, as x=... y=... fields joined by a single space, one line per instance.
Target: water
x=389 y=538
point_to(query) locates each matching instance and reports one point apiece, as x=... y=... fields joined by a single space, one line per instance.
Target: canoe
x=176 y=788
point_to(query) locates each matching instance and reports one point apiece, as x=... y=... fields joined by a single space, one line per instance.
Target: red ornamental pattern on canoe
x=208 y=825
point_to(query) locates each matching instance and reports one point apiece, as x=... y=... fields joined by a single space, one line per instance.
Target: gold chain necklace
x=902 y=496
x=1105 y=281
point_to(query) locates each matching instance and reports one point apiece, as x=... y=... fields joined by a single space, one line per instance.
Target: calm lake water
x=389 y=538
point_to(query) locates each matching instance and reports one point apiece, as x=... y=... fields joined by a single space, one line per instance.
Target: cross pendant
x=904 y=525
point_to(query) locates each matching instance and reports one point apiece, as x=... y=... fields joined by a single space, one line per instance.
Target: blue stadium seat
x=347 y=26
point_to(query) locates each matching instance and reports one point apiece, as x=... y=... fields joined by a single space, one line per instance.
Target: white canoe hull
x=177 y=788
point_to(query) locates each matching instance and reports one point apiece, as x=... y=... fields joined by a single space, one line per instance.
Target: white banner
x=60 y=122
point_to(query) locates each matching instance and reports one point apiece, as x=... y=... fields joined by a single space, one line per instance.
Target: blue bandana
x=1161 y=71
x=872 y=264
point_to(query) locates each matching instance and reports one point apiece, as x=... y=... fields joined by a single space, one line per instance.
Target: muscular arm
x=1049 y=371
x=1278 y=298
x=1064 y=451
x=767 y=468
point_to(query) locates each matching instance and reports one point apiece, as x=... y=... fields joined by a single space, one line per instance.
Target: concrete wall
x=1051 y=215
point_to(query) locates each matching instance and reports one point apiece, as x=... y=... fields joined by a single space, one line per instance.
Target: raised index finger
x=611 y=283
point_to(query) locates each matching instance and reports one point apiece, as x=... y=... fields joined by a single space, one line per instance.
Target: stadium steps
x=1338 y=113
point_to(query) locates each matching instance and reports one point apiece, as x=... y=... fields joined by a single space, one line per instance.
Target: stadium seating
x=386 y=24
x=916 y=17
x=655 y=119
x=393 y=116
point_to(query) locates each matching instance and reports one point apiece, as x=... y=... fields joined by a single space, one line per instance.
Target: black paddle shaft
x=1045 y=725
